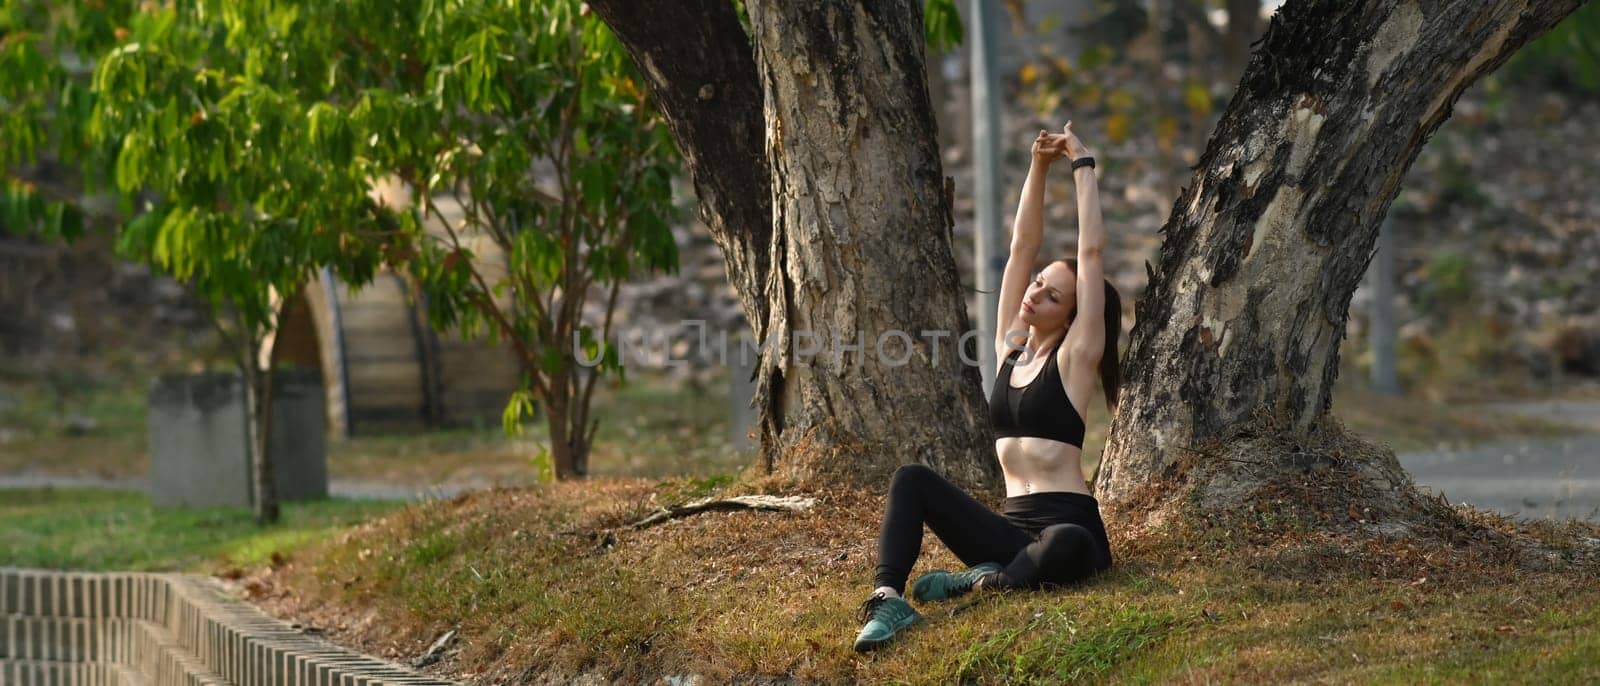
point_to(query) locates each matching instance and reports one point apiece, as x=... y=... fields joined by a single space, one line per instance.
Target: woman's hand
x=1048 y=148
x=1068 y=143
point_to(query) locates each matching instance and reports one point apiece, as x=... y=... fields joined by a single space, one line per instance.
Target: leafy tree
x=46 y=157
x=529 y=116
x=215 y=134
x=263 y=126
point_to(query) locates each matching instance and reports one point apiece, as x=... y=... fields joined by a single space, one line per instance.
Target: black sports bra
x=1041 y=409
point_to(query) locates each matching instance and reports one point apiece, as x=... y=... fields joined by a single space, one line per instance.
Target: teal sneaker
x=885 y=617
x=942 y=585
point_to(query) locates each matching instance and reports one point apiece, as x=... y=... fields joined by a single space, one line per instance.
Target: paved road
x=1531 y=478
x=1544 y=477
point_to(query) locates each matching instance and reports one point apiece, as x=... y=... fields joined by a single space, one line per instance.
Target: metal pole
x=1384 y=379
x=991 y=249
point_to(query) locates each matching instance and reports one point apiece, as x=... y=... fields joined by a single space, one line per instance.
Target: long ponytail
x=1110 y=366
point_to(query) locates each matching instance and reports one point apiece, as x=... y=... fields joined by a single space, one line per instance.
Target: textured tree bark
x=698 y=66
x=1242 y=321
x=861 y=239
x=842 y=238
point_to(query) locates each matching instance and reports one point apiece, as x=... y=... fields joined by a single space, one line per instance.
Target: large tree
x=1239 y=330
x=810 y=140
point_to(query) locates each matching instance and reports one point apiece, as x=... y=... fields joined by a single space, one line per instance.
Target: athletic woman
x=1058 y=332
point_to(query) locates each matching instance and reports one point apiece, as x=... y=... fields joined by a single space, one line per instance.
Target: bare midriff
x=1040 y=465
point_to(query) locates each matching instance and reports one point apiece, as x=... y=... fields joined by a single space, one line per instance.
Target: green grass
x=650 y=427
x=1059 y=645
x=90 y=530
x=34 y=435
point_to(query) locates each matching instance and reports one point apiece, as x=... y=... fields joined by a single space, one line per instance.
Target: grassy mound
x=542 y=583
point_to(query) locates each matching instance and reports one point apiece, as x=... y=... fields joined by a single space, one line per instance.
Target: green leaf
x=942 y=24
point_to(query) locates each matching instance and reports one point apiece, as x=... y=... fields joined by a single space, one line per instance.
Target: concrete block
x=198 y=432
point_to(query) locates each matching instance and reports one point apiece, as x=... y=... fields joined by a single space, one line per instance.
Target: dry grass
x=538 y=588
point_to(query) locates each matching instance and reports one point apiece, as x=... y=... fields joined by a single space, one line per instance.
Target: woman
x=1064 y=323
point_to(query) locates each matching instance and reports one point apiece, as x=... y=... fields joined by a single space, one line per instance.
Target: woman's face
x=1050 y=298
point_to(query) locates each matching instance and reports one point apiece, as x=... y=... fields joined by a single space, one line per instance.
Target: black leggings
x=1043 y=538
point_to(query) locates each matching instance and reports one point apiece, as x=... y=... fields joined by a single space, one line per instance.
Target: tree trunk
x=861 y=253
x=1241 y=324
x=844 y=235
x=258 y=406
x=698 y=66
x=565 y=459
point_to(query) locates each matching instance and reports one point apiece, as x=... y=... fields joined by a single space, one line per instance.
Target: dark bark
x=698 y=66
x=1263 y=251
x=861 y=241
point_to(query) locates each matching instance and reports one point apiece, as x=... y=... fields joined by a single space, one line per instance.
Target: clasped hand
x=1049 y=147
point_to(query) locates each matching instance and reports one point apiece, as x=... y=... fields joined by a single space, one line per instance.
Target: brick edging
x=112 y=629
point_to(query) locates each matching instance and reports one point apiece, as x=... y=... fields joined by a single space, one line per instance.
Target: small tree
x=241 y=216
x=528 y=116
x=262 y=126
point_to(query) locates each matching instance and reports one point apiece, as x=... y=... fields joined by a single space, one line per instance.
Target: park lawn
x=650 y=427
x=96 y=530
x=542 y=581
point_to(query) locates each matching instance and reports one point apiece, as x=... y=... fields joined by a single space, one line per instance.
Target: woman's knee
x=1065 y=540
x=912 y=474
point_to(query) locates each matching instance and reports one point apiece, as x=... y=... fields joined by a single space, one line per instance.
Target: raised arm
x=1027 y=234
x=1087 y=338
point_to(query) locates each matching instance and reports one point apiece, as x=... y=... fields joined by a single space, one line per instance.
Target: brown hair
x=1110 y=367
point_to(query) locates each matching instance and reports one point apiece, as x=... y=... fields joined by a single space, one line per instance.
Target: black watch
x=1085 y=161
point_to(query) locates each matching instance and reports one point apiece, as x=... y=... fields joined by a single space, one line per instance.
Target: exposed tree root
x=1330 y=502
x=738 y=502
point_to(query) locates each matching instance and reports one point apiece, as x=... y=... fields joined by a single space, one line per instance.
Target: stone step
x=51 y=673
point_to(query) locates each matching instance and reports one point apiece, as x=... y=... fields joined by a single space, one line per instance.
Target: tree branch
x=771 y=503
x=699 y=69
